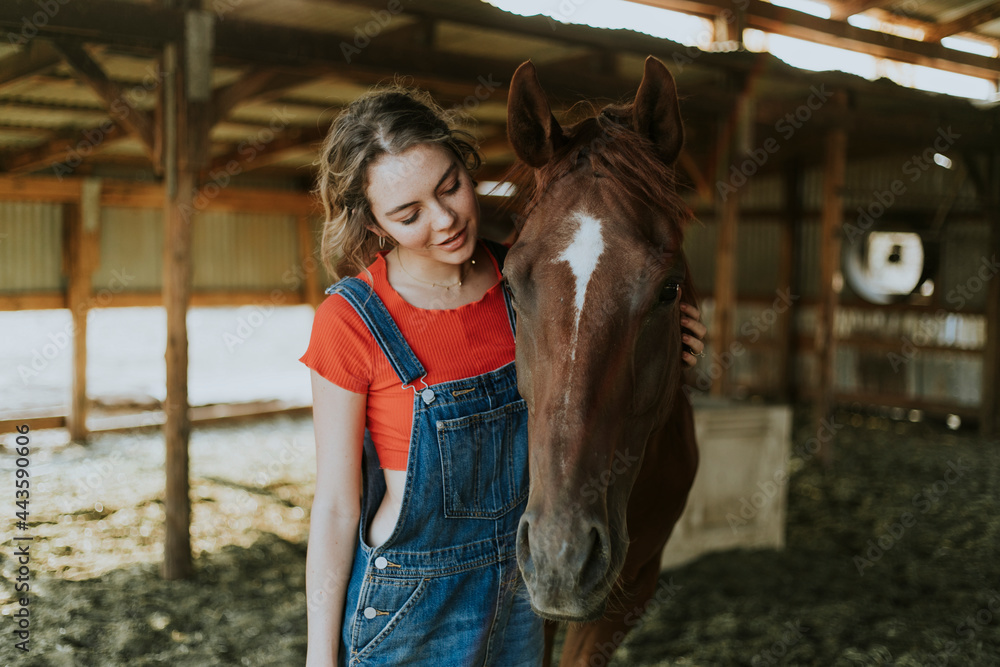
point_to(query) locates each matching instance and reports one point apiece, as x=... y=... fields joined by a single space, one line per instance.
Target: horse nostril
x=598 y=557
x=524 y=560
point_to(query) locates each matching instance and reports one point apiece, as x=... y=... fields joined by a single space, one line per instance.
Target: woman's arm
x=339 y=423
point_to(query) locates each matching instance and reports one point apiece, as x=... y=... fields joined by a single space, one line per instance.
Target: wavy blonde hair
x=386 y=120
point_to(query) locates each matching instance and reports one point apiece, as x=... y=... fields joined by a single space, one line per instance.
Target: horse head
x=595 y=274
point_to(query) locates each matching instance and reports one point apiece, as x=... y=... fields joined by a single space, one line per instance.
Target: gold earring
x=381 y=242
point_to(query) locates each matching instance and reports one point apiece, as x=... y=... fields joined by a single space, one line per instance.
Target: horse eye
x=668 y=293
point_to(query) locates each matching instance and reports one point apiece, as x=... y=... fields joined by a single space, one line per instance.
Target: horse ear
x=656 y=111
x=532 y=130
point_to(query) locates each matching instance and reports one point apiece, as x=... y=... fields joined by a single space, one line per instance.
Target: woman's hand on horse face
x=693 y=334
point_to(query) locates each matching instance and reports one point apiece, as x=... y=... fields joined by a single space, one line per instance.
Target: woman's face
x=424 y=199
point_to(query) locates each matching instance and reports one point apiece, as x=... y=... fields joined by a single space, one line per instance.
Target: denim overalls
x=444 y=589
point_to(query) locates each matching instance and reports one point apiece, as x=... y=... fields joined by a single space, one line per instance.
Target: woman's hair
x=386 y=120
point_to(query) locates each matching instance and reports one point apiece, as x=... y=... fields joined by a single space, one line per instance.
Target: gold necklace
x=465 y=270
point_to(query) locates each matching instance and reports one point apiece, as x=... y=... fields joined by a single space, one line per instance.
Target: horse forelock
x=629 y=162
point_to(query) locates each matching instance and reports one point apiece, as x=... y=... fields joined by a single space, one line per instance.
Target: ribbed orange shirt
x=451 y=344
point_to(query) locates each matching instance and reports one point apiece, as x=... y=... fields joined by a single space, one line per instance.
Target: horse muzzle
x=565 y=561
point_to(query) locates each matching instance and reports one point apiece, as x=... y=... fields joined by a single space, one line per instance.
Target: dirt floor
x=892 y=557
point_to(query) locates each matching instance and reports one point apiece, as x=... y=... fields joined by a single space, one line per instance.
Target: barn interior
x=159 y=154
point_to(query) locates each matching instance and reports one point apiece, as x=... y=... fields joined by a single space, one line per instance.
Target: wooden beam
x=278 y=46
x=690 y=166
x=81 y=222
x=146 y=25
x=203 y=414
x=65 y=151
x=252 y=83
x=257 y=155
x=989 y=406
x=40 y=189
x=791 y=23
x=963 y=23
x=176 y=288
x=839 y=11
x=131 y=194
x=420 y=33
x=732 y=138
x=77 y=291
x=609 y=41
x=112 y=21
x=311 y=292
x=725 y=288
x=146 y=195
x=37 y=57
x=790 y=278
x=208 y=299
x=834 y=173
x=137 y=122
x=272 y=46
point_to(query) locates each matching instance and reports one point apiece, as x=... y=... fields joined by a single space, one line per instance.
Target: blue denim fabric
x=444 y=588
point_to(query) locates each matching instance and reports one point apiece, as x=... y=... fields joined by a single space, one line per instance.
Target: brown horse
x=595 y=273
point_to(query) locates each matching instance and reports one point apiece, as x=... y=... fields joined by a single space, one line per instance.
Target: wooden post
x=834 y=170
x=789 y=273
x=76 y=299
x=309 y=287
x=989 y=406
x=81 y=221
x=725 y=289
x=186 y=111
x=733 y=142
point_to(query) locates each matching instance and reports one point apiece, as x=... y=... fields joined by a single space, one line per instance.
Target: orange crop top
x=451 y=344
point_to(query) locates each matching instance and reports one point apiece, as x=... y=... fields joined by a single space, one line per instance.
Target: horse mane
x=632 y=164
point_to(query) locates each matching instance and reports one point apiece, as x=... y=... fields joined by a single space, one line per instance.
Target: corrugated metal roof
x=54 y=99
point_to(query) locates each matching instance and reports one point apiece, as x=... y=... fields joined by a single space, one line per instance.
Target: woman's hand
x=692 y=334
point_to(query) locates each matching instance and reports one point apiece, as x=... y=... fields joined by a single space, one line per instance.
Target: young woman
x=421 y=445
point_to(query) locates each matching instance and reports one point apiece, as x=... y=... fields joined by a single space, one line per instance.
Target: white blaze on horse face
x=582 y=255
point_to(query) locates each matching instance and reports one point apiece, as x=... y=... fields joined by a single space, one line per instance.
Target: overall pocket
x=484 y=461
x=387 y=603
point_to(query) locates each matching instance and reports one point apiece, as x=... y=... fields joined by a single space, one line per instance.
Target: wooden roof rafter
x=840 y=11
x=64 y=150
x=249 y=156
x=138 y=123
x=968 y=21
x=36 y=57
x=841 y=34
x=248 y=42
x=259 y=84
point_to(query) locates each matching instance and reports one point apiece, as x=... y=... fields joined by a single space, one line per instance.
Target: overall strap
x=499 y=251
x=373 y=313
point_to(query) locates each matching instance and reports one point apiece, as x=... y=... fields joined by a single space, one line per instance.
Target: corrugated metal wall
x=891 y=368
x=131 y=243
x=243 y=250
x=31 y=247
x=235 y=251
x=962 y=257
